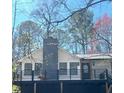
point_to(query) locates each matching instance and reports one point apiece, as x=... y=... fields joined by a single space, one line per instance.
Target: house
x=66 y=61
x=53 y=63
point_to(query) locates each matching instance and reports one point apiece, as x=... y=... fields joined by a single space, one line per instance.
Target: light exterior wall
x=37 y=57
x=101 y=65
x=63 y=57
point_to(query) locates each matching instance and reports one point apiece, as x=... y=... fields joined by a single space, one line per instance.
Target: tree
x=50 y=18
x=26 y=40
x=103 y=31
x=17 y=10
x=45 y=13
x=49 y=14
x=81 y=25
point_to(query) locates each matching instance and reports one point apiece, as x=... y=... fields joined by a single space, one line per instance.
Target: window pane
x=85 y=68
x=63 y=69
x=74 y=68
x=28 y=69
x=38 y=68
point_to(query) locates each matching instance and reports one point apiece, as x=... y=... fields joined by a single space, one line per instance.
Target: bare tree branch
x=104 y=39
x=82 y=9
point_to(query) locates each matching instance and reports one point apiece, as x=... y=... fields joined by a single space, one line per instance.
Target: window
x=63 y=68
x=85 y=68
x=74 y=68
x=28 y=69
x=38 y=68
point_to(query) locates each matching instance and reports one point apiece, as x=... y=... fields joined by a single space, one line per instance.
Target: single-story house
x=53 y=63
x=70 y=66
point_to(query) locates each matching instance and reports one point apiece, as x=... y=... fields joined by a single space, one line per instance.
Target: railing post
x=13 y=76
x=32 y=75
x=21 y=76
x=57 y=74
x=17 y=76
x=45 y=73
x=35 y=87
x=70 y=73
x=106 y=74
x=94 y=74
x=61 y=87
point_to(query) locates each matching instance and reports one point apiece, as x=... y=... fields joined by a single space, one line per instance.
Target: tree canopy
x=75 y=28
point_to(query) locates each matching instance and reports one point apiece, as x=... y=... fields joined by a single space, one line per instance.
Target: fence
x=68 y=86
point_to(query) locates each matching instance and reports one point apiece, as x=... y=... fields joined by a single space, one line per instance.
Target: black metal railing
x=99 y=74
x=61 y=74
x=109 y=77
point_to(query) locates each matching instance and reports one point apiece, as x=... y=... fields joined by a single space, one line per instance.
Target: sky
x=24 y=8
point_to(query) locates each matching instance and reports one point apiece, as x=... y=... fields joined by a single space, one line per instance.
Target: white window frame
x=25 y=74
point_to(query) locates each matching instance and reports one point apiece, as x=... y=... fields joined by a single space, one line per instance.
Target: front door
x=86 y=71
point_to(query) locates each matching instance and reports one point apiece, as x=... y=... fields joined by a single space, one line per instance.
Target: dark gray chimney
x=50 y=58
